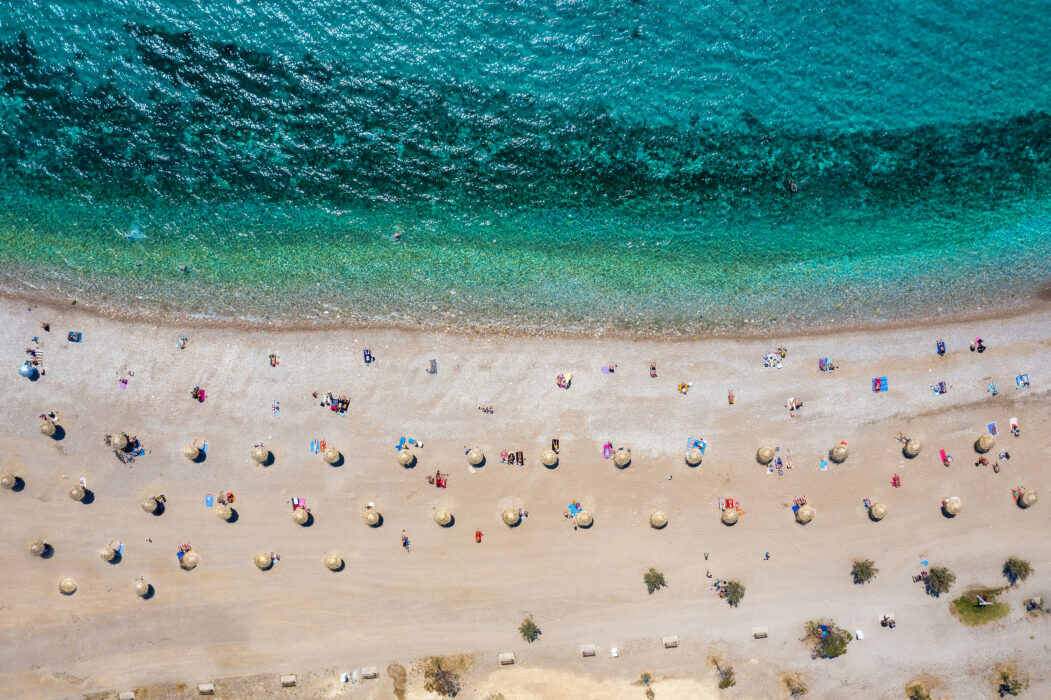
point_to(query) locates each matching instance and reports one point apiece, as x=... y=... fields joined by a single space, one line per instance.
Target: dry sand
x=450 y=595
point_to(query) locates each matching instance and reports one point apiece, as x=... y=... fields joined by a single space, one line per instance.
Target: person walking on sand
x=766 y=556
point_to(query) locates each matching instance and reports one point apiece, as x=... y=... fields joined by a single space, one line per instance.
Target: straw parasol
x=765 y=454
x=693 y=457
x=107 y=553
x=878 y=511
x=953 y=507
x=191 y=452
x=984 y=443
x=443 y=517
x=119 y=441
x=150 y=504
x=190 y=560
x=300 y=516
x=76 y=492
x=406 y=458
x=912 y=448
x=658 y=519
x=260 y=454
x=224 y=512
x=805 y=514
x=263 y=560
x=584 y=518
x=67 y=586
x=729 y=516
x=47 y=428
x=1027 y=499
x=7 y=481
x=839 y=453
x=142 y=587
x=475 y=456
x=511 y=517
x=333 y=561
x=622 y=458
x=37 y=547
x=549 y=458
x=331 y=454
x=371 y=517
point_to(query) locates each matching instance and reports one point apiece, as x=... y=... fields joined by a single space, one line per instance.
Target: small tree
x=828 y=640
x=438 y=680
x=916 y=691
x=726 y=676
x=1016 y=570
x=1009 y=684
x=794 y=685
x=529 y=630
x=863 y=570
x=940 y=580
x=734 y=592
x=654 y=580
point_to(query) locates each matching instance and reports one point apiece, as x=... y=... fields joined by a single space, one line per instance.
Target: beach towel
x=769 y=470
x=941 y=453
x=202 y=395
x=179 y=554
x=1022 y=380
x=209 y=501
x=74 y=336
x=204 y=448
x=606 y=369
x=795 y=508
x=607 y=450
x=992 y=389
x=824 y=466
x=698 y=443
x=941 y=347
x=1014 y=424
x=822 y=364
x=574 y=509
x=433 y=368
x=991 y=427
x=313 y=447
x=879 y=384
x=401 y=443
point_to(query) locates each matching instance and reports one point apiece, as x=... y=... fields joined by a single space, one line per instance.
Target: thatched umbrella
x=953 y=507
x=693 y=457
x=224 y=512
x=191 y=452
x=331 y=454
x=878 y=511
x=300 y=516
x=729 y=516
x=549 y=458
x=475 y=456
x=150 y=504
x=443 y=517
x=912 y=447
x=622 y=458
x=108 y=553
x=406 y=458
x=984 y=443
x=658 y=519
x=8 y=481
x=142 y=587
x=511 y=517
x=371 y=517
x=263 y=560
x=76 y=492
x=839 y=453
x=1027 y=499
x=260 y=454
x=190 y=560
x=584 y=518
x=333 y=561
x=119 y=441
x=47 y=428
x=67 y=586
x=805 y=514
x=765 y=454
x=37 y=547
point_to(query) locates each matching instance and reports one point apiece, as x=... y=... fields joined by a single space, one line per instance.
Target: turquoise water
x=676 y=166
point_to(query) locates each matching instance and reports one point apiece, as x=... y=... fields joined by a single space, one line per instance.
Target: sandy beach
x=450 y=595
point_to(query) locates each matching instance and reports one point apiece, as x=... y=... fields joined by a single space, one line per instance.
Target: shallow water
x=571 y=164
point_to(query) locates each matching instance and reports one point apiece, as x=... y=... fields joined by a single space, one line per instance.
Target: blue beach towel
x=824 y=466
x=573 y=509
x=879 y=384
x=209 y=500
x=204 y=448
x=401 y=443
x=1022 y=380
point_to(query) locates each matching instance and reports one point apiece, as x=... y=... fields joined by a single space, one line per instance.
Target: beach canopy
x=443 y=517
x=622 y=458
x=300 y=516
x=142 y=588
x=953 y=506
x=475 y=456
x=190 y=452
x=119 y=441
x=406 y=458
x=984 y=443
x=1027 y=499
x=549 y=458
x=190 y=560
x=371 y=517
x=150 y=504
x=765 y=454
x=7 y=481
x=693 y=457
x=260 y=454
x=223 y=512
x=912 y=448
x=878 y=511
x=107 y=553
x=511 y=516
x=584 y=518
x=333 y=561
x=331 y=454
x=37 y=547
x=76 y=492
x=67 y=586
x=839 y=453
x=47 y=427
x=805 y=514
x=658 y=519
x=730 y=516
x=263 y=560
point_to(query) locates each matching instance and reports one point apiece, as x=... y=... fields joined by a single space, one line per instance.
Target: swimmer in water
x=793 y=186
x=397 y=236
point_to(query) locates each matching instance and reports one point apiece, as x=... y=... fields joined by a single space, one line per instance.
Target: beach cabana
x=621 y=458
x=150 y=504
x=263 y=560
x=333 y=561
x=729 y=516
x=300 y=516
x=693 y=457
x=443 y=517
x=260 y=454
x=878 y=511
x=8 y=481
x=371 y=517
x=511 y=517
x=224 y=512
x=839 y=453
x=76 y=492
x=67 y=586
x=331 y=454
x=190 y=560
x=912 y=448
x=765 y=454
x=984 y=443
x=805 y=514
x=118 y=441
x=37 y=547
x=952 y=507
x=406 y=458
x=549 y=458
x=1026 y=499
x=475 y=457
x=658 y=519
x=584 y=518
x=47 y=428
x=191 y=452
x=142 y=587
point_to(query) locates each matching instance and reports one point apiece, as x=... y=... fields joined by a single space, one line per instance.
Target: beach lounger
x=1022 y=380
x=941 y=347
x=879 y=384
x=992 y=389
x=432 y=367
x=367 y=356
x=991 y=427
x=74 y=336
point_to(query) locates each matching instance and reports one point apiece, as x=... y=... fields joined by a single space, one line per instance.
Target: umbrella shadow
x=20 y=484
x=89 y=497
x=342 y=565
x=201 y=456
x=233 y=515
x=452 y=521
x=60 y=433
x=151 y=591
x=48 y=552
x=117 y=558
x=339 y=461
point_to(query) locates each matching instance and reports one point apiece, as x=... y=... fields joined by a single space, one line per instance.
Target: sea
x=590 y=165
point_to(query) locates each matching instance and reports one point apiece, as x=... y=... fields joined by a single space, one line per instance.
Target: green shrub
x=654 y=580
